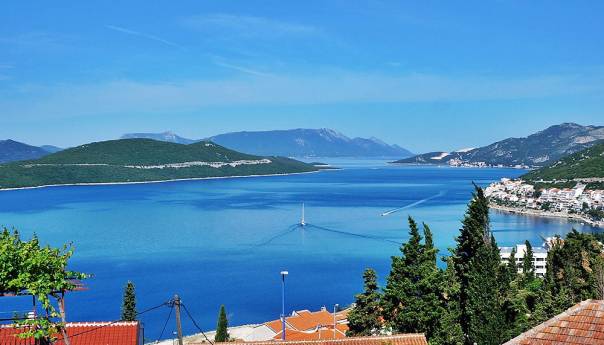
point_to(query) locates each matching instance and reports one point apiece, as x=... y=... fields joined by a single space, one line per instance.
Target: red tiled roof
x=275 y=325
x=305 y=320
x=291 y=335
x=581 y=324
x=83 y=333
x=401 y=339
x=308 y=321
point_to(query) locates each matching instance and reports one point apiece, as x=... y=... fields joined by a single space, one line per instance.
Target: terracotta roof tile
x=401 y=339
x=581 y=324
x=84 y=333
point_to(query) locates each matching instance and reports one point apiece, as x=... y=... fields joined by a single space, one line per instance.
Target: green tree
x=412 y=298
x=528 y=268
x=222 y=326
x=364 y=318
x=129 y=303
x=476 y=261
x=42 y=272
x=449 y=331
x=570 y=274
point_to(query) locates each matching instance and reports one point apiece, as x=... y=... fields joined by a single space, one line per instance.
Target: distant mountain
x=51 y=148
x=140 y=160
x=536 y=150
x=165 y=136
x=307 y=143
x=586 y=164
x=11 y=151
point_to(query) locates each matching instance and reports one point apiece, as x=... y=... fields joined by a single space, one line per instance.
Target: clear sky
x=428 y=75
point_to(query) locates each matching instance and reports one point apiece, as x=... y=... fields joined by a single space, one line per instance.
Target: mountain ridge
x=536 y=150
x=298 y=142
x=587 y=164
x=12 y=150
x=304 y=142
x=141 y=160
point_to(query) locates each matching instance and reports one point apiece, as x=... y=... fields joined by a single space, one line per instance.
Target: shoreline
x=155 y=181
x=460 y=166
x=546 y=214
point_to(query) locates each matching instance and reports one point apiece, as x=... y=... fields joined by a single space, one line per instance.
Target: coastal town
x=578 y=202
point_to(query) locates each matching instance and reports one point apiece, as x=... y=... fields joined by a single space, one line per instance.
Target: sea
x=225 y=241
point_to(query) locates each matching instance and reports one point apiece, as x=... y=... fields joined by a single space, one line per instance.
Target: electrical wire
x=166 y=324
x=113 y=322
x=195 y=323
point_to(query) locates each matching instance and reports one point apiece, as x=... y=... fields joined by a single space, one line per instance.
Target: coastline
x=539 y=213
x=157 y=181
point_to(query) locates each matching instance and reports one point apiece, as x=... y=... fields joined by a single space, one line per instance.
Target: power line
x=166 y=324
x=196 y=325
x=113 y=322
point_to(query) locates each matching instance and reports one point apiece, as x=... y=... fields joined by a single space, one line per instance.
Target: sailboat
x=302 y=221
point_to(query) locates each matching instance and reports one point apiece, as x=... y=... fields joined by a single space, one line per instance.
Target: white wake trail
x=387 y=213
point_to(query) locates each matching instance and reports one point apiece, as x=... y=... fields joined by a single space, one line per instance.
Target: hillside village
x=576 y=203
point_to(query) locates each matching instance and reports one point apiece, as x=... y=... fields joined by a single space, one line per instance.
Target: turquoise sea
x=225 y=241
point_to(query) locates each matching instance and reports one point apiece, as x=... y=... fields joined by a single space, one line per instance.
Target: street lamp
x=283 y=275
x=335 y=310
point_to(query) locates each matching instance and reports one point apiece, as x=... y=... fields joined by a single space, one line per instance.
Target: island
x=572 y=187
x=142 y=160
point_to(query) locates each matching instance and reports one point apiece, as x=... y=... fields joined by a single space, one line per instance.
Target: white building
x=539 y=257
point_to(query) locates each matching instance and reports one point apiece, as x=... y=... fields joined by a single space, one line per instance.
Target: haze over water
x=225 y=241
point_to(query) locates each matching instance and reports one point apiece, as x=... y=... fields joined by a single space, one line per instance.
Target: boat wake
x=346 y=233
x=268 y=241
x=387 y=213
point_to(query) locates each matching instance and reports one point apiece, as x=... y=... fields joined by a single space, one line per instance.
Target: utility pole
x=283 y=275
x=177 y=313
x=335 y=322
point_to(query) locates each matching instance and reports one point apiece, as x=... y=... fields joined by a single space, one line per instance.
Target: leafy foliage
x=26 y=266
x=478 y=299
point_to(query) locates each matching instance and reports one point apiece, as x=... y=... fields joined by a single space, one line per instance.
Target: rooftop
x=401 y=339
x=581 y=324
x=82 y=333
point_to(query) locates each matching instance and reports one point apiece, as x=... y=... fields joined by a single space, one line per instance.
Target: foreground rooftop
x=581 y=324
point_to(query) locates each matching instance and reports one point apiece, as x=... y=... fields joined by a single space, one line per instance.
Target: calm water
x=225 y=241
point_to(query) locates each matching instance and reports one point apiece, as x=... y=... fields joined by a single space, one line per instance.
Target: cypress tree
x=449 y=331
x=528 y=269
x=129 y=303
x=364 y=318
x=477 y=263
x=412 y=299
x=222 y=326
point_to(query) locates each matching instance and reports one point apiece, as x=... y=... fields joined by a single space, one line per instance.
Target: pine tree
x=222 y=326
x=129 y=303
x=412 y=299
x=477 y=264
x=528 y=269
x=364 y=318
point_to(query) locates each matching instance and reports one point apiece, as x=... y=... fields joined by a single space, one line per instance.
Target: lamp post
x=335 y=310
x=283 y=275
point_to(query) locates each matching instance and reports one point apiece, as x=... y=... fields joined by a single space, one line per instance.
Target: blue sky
x=427 y=75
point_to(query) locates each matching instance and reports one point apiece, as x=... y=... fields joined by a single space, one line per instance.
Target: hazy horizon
x=426 y=76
